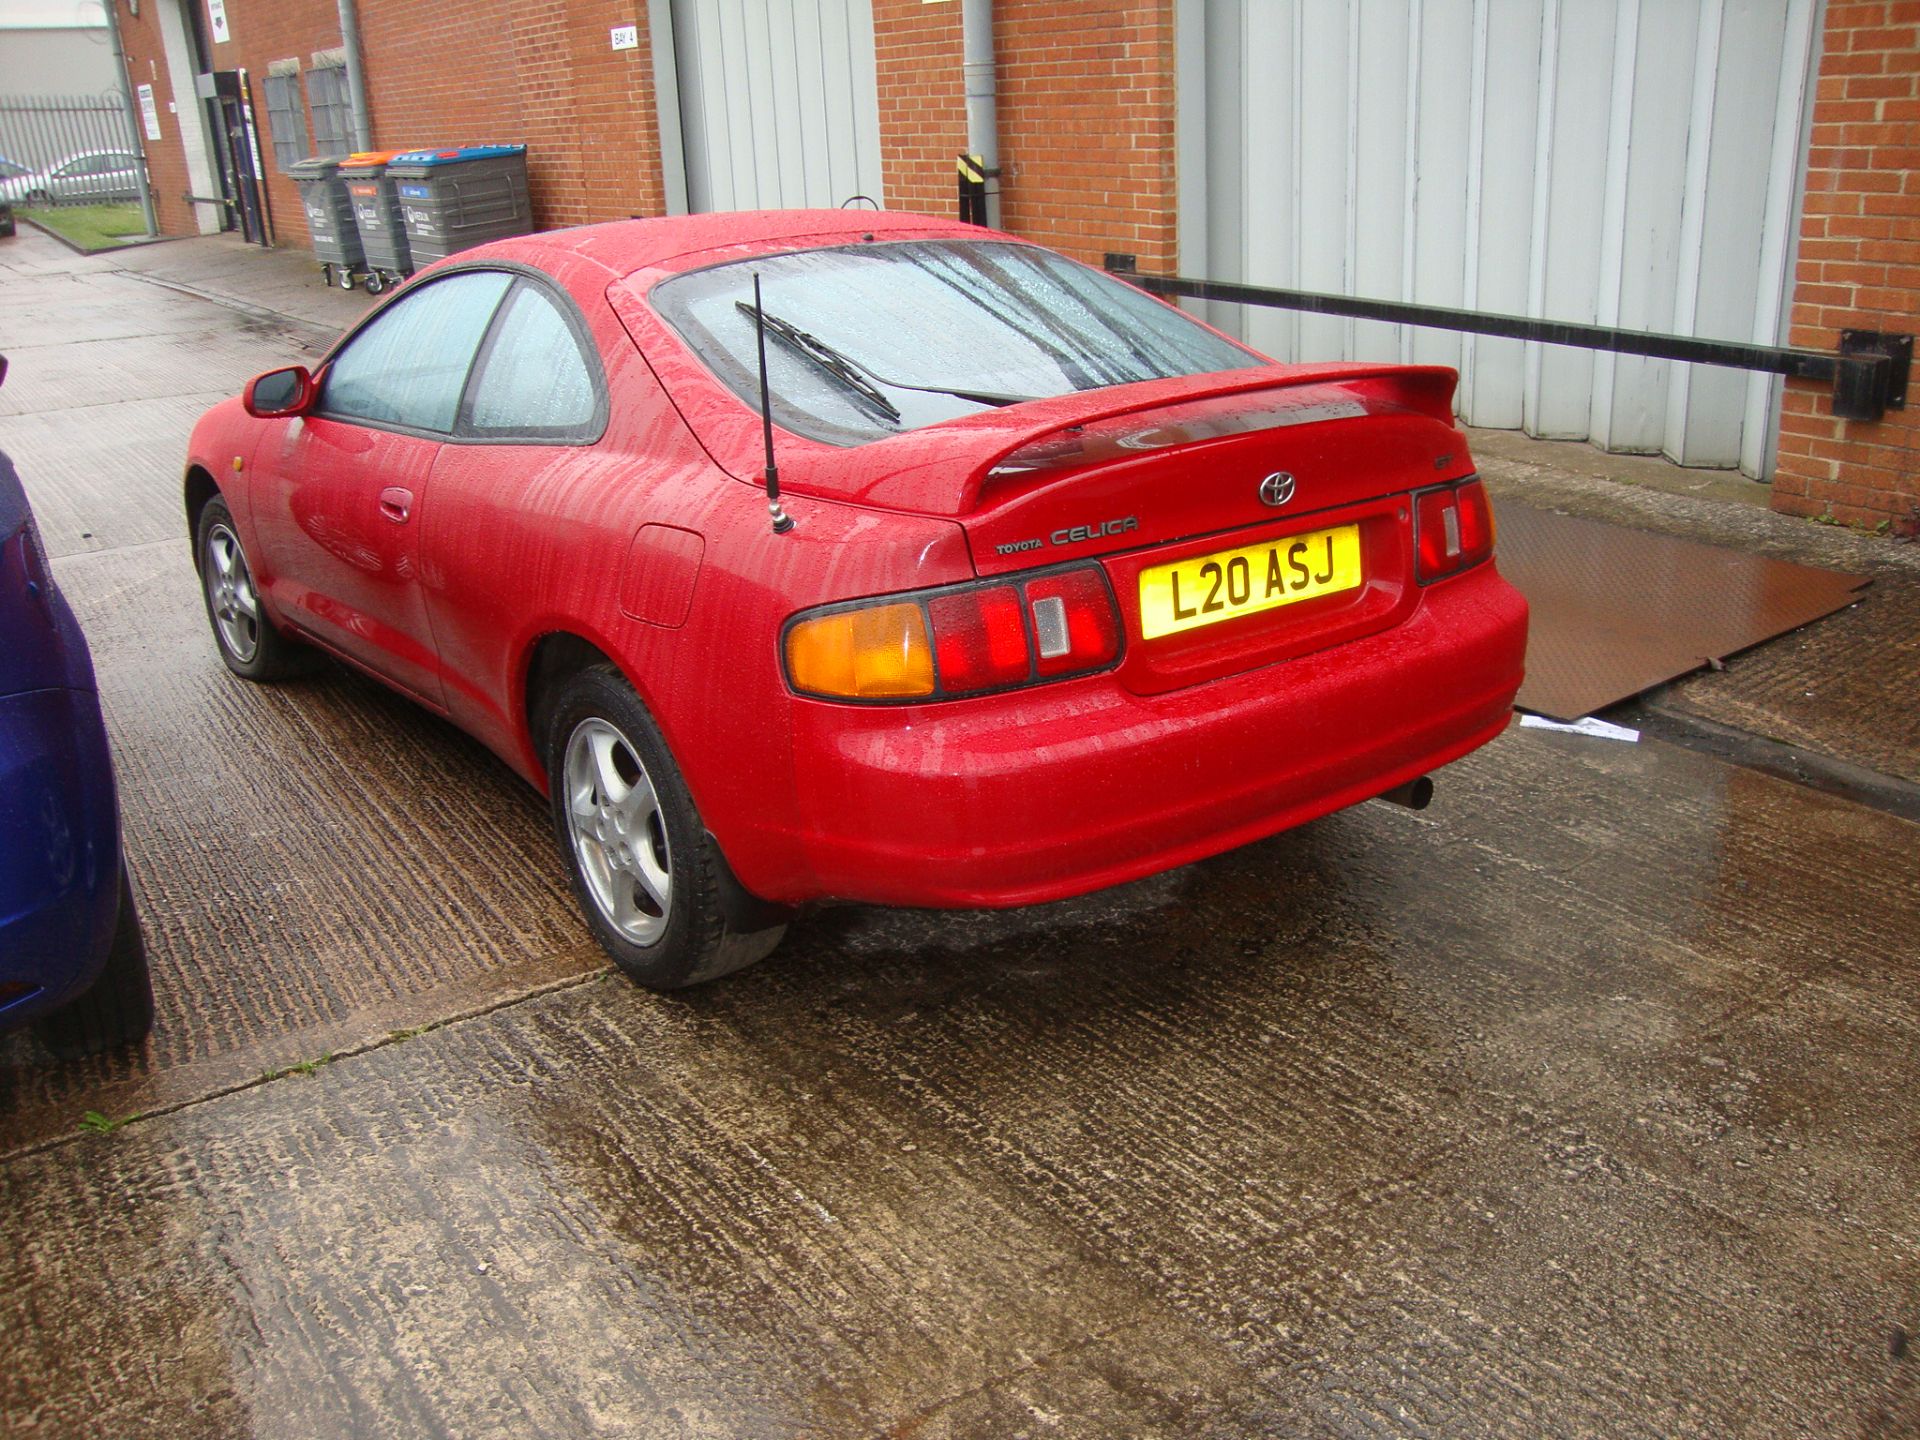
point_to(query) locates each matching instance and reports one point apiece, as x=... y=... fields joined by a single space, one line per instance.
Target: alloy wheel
x=231 y=596
x=618 y=832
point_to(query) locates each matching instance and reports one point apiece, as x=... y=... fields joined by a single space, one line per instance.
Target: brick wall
x=541 y=73
x=1085 y=112
x=1859 y=267
x=260 y=32
x=1086 y=126
x=1086 y=105
x=923 y=103
x=166 y=161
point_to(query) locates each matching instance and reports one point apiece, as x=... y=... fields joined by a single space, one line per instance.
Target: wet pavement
x=1580 y=1104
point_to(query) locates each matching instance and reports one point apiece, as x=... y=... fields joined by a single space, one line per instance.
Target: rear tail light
x=1453 y=529
x=878 y=652
x=960 y=640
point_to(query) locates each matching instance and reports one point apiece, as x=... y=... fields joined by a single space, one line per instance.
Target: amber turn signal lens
x=877 y=653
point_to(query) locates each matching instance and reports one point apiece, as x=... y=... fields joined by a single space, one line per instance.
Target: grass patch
x=94 y=1123
x=91 y=227
x=305 y=1067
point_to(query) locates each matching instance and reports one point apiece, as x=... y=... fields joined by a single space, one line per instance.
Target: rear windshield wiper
x=860 y=378
x=824 y=357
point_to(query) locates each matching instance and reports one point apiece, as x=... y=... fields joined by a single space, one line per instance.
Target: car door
x=85 y=182
x=119 y=177
x=67 y=180
x=502 y=540
x=338 y=495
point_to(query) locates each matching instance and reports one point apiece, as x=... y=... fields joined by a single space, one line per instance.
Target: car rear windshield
x=865 y=341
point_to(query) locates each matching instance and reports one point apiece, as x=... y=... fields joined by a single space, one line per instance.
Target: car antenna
x=782 y=522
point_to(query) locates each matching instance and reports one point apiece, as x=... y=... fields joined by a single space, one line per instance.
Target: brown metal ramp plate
x=1617 y=611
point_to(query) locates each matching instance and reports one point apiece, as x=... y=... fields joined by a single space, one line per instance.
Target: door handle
x=396 y=504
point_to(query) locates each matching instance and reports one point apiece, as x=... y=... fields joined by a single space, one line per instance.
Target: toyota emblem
x=1276 y=489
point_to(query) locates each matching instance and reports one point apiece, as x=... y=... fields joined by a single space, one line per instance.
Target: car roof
x=88 y=155
x=623 y=247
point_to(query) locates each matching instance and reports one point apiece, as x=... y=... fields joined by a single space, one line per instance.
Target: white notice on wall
x=217 y=17
x=626 y=37
x=149 y=112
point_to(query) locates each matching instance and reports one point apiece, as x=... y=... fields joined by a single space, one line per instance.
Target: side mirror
x=279 y=393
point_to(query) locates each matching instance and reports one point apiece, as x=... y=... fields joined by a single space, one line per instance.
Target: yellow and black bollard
x=973 y=190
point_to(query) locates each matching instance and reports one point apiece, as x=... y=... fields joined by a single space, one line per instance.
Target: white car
x=91 y=176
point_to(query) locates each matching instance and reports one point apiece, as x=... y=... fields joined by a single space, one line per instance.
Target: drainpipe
x=356 y=77
x=135 y=127
x=977 y=72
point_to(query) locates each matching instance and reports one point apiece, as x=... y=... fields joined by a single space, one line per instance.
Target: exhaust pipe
x=1415 y=794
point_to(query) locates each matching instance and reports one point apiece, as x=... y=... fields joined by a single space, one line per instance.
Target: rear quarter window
x=535 y=380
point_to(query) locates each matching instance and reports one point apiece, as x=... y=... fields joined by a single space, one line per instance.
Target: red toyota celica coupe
x=1060 y=586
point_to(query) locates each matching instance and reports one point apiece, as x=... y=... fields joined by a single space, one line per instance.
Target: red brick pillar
x=1859 y=268
x=1086 y=109
x=1086 y=126
x=923 y=105
x=166 y=157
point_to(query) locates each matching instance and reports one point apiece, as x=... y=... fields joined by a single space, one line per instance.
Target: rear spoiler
x=940 y=470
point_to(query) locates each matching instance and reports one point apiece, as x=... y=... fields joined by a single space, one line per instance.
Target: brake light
x=1453 y=529
x=958 y=640
x=981 y=638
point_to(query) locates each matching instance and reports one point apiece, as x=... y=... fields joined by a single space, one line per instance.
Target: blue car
x=71 y=959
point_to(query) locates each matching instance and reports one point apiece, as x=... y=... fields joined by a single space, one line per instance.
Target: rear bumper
x=1053 y=792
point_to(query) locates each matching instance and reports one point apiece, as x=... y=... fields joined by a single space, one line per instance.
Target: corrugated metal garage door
x=1621 y=162
x=778 y=105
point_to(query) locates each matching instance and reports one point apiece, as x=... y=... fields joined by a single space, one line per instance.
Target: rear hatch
x=1142 y=476
x=1236 y=529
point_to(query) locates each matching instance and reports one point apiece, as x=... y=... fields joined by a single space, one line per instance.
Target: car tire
x=651 y=882
x=118 y=1008
x=249 y=642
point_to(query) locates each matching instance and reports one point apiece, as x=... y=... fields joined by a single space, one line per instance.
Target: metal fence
x=67 y=150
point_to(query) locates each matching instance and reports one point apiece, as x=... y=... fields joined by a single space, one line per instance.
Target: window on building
x=332 y=122
x=286 y=117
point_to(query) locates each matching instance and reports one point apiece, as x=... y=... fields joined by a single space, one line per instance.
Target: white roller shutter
x=1620 y=162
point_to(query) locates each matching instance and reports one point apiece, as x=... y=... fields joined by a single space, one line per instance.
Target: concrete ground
x=1579 y=1104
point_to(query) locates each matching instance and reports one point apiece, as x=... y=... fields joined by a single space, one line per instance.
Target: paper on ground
x=1600 y=729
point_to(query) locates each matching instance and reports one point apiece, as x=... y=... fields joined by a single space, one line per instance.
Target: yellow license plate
x=1212 y=588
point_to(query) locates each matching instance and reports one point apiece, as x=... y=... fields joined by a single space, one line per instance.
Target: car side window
x=409 y=366
x=534 y=380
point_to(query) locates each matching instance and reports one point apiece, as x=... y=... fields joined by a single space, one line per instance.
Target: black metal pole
x=1869 y=374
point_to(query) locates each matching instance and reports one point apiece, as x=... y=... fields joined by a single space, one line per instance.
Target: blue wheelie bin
x=455 y=198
